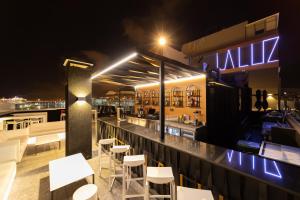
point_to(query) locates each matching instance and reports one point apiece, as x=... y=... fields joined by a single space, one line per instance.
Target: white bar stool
x=160 y=175
x=34 y=121
x=102 y=142
x=26 y=123
x=19 y=123
x=119 y=149
x=13 y=123
x=184 y=193
x=86 y=192
x=128 y=163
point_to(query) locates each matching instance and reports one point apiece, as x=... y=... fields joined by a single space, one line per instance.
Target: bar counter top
x=271 y=172
x=173 y=123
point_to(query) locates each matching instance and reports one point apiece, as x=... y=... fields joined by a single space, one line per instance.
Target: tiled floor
x=32 y=179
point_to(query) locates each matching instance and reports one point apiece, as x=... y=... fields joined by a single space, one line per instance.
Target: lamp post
x=162 y=42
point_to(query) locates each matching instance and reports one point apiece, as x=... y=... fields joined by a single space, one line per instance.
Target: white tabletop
x=67 y=170
x=184 y=193
x=281 y=152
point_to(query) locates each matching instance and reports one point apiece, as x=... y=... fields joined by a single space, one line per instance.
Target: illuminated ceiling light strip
x=134 y=62
x=147 y=58
x=240 y=156
x=272 y=51
x=138 y=72
x=126 y=76
x=153 y=73
x=127 y=79
x=171 y=81
x=153 y=64
x=146 y=85
x=115 y=65
x=76 y=61
x=186 y=79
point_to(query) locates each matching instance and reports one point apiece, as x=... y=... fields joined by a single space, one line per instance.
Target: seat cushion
x=7 y=176
x=160 y=175
x=193 y=194
x=2 y=137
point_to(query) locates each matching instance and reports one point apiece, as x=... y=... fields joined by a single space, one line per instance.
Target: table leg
x=93 y=178
x=51 y=195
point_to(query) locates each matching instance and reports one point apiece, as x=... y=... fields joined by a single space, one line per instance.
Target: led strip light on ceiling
x=171 y=81
x=114 y=65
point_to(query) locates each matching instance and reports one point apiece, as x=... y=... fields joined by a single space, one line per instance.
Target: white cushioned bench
x=47 y=128
x=9 y=152
x=46 y=133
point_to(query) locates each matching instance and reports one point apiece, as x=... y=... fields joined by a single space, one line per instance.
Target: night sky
x=36 y=36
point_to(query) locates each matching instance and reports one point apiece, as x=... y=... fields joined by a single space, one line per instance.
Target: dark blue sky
x=37 y=35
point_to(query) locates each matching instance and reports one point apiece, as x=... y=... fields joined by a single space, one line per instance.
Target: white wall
x=174 y=54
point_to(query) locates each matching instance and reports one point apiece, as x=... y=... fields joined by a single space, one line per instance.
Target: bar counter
x=228 y=173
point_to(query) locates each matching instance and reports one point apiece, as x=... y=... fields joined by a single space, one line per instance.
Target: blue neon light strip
x=253 y=162
x=239 y=58
x=230 y=156
x=272 y=51
x=278 y=175
x=228 y=55
x=252 y=56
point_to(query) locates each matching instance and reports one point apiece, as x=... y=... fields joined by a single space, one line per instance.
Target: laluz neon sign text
x=233 y=58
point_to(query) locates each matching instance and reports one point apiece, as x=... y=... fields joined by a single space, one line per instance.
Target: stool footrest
x=160 y=196
x=135 y=179
x=116 y=175
x=134 y=195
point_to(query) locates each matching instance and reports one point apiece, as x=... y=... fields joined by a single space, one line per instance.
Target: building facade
x=246 y=55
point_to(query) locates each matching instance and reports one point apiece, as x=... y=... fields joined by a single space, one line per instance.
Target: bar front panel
x=229 y=173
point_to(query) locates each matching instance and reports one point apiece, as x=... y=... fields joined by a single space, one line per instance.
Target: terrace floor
x=32 y=178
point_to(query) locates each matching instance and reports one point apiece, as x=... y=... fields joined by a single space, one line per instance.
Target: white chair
x=26 y=123
x=184 y=193
x=86 y=192
x=34 y=121
x=128 y=163
x=160 y=175
x=19 y=124
x=62 y=116
x=122 y=149
x=10 y=122
x=102 y=142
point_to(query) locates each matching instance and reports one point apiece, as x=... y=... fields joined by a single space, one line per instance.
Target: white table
x=280 y=152
x=67 y=170
x=193 y=194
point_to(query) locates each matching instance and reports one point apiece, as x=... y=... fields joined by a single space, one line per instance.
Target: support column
x=162 y=100
x=78 y=108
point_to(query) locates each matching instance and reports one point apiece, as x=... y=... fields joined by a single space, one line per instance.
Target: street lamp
x=162 y=41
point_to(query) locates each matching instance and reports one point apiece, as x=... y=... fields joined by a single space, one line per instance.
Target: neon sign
x=270 y=167
x=263 y=52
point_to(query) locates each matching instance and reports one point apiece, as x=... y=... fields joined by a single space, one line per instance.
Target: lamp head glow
x=80 y=100
x=162 y=41
x=120 y=62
